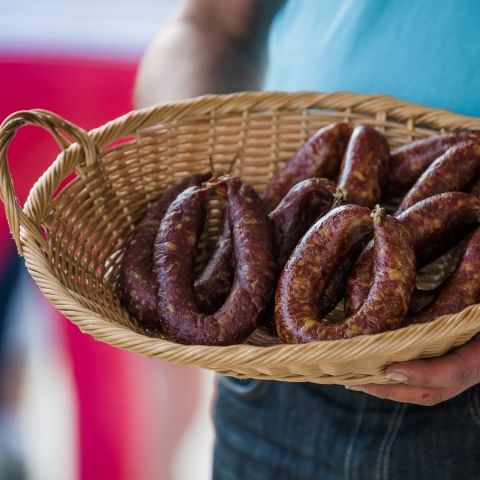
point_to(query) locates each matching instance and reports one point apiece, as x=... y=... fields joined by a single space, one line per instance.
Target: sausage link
x=304 y=203
x=409 y=161
x=451 y=172
x=137 y=284
x=460 y=290
x=312 y=262
x=175 y=248
x=320 y=156
x=435 y=216
x=428 y=221
x=387 y=302
x=364 y=170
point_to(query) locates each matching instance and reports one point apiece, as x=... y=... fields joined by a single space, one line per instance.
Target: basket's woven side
x=419 y=120
x=136 y=156
x=64 y=133
x=353 y=361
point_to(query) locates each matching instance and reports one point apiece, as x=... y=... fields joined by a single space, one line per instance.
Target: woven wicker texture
x=80 y=213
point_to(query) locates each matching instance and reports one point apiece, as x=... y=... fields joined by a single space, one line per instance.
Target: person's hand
x=430 y=382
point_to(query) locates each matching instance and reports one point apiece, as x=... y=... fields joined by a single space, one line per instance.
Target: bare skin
x=218 y=46
x=430 y=382
x=210 y=46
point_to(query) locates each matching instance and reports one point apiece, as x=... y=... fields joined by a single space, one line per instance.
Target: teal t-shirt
x=424 y=51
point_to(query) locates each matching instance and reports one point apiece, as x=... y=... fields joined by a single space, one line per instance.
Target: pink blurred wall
x=114 y=433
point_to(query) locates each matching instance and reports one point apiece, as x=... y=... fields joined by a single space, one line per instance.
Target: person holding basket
x=427 y=423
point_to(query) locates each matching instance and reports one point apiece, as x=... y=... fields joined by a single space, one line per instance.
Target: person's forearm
x=195 y=54
x=185 y=61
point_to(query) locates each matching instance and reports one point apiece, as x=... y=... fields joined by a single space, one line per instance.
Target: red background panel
x=88 y=92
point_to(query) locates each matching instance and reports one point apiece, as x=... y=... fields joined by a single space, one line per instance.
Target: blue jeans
x=283 y=431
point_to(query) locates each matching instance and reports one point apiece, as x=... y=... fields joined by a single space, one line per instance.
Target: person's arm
x=219 y=46
x=210 y=46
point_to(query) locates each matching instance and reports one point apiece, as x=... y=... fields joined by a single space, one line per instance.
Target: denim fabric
x=283 y=431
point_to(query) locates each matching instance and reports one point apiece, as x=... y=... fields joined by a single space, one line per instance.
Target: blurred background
x=72 y=408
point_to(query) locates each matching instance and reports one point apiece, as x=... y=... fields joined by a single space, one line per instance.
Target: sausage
x=435 y=216
x=174 y=251
x=428 y=221
x=314 y=259
x=137 y=283
x=364 y=170
x=304 y=203
x=320 y=156
x=443 y=243
x=409 y=161
x=460 y=290
x=451 y=172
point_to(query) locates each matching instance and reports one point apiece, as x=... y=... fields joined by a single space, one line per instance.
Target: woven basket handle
x=64 y=133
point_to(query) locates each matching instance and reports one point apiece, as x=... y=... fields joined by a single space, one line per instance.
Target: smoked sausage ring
x=364 y=171
x=174 y=252
x=314 y=259
x=409 y=161
x=137 y=282
x=320 y=156
x=451 y=172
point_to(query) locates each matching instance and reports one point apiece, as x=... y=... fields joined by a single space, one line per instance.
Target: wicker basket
x=72 y=232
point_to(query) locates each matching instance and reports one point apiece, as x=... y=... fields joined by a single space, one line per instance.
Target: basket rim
x=285 y=101
x=243 y=354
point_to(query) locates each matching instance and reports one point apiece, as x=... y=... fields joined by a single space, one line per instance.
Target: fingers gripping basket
x=72 y=232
